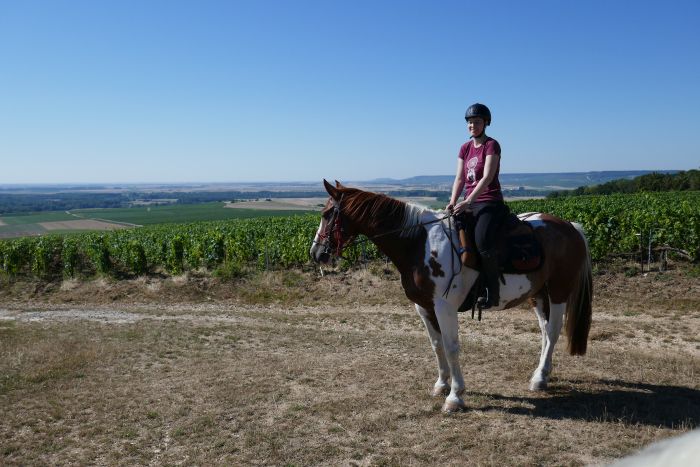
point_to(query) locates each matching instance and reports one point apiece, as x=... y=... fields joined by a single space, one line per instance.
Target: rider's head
x=480 y=116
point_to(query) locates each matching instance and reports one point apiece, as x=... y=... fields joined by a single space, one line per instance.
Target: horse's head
x=333 y=232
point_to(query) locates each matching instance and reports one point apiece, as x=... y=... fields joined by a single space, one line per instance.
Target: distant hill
x=541 y=181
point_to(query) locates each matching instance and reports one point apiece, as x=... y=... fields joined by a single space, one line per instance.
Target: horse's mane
x=381 y=211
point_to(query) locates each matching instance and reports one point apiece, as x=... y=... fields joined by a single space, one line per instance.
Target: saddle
x=519 y=252
x=519 y=249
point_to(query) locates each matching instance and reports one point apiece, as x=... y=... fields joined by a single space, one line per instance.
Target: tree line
x=654 y=182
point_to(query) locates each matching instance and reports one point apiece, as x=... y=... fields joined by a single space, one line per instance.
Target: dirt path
x=190 y=371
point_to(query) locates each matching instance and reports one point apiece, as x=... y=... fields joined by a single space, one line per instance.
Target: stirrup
x=484 y=303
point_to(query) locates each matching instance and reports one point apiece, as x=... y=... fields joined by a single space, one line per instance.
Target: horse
x=422 y=246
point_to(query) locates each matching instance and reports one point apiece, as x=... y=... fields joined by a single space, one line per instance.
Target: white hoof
x=453 y=406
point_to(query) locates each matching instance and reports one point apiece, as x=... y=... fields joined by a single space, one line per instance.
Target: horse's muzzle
x=324 y=258
x=320 y=255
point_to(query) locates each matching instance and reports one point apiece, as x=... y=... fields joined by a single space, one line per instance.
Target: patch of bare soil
x=305 y=204
x=291 y=368
x=85 y=224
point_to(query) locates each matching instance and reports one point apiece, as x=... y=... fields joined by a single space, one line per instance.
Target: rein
x=366 y=239
x=448 y=234
x=336 y=231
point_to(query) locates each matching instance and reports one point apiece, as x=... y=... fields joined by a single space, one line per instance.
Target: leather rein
x=334 y=231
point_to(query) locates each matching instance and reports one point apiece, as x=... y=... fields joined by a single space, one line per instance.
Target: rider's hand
x=449 y=207
x=462 y=206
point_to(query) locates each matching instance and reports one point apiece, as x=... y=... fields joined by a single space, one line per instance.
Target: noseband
x=333 y=233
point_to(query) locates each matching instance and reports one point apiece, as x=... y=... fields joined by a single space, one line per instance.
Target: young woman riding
x=478 y=165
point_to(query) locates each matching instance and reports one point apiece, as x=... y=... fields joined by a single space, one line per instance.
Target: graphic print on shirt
x=471 y=173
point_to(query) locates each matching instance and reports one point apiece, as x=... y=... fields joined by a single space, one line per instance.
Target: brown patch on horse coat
x=372 y=214
x=562 y=280
x=544 y=296
x=555 y=280
x=436 y=268
x=433 y=253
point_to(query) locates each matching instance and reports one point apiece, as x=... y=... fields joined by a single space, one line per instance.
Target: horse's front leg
x=447 y=319
x=441 y=387
x=551 y=328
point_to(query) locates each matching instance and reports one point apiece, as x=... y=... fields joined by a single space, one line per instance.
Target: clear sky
x=297 y=90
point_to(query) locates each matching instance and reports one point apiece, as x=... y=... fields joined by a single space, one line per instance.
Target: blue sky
x=232 y=91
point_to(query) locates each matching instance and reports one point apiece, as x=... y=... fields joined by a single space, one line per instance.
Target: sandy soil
x=290 y=368
x=87 y=224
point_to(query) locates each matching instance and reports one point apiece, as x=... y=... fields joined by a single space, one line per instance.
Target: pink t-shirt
x=474 y=160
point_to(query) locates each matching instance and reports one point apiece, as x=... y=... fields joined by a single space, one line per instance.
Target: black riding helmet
x=478 y=110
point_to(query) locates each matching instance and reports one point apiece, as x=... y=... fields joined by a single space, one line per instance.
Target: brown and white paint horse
x=417 y=241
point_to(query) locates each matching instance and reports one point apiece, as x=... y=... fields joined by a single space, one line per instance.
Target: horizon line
x=179 y=183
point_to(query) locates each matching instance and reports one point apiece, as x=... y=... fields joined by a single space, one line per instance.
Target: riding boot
x=463 y=253
x=490 y=271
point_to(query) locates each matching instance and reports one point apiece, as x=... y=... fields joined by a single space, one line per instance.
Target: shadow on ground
x=609 y=401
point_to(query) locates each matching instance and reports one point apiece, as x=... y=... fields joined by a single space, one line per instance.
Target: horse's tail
x=579 y=308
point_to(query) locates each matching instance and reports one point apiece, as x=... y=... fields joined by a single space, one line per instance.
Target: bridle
x=335 y=232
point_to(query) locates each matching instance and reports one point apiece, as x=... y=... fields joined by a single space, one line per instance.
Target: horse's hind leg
x=551 y=328
x=441 y=387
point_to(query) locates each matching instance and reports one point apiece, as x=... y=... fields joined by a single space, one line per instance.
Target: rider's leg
x=461 y=226
x=488 y=222
x=489 y=267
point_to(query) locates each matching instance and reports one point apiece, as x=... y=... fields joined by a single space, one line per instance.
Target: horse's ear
x=333 y=191
x=339 y=185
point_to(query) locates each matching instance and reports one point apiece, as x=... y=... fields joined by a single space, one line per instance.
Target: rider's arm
x=458 y=184
x=490 y=169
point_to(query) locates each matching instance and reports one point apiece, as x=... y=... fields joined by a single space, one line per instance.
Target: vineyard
x=615 y=224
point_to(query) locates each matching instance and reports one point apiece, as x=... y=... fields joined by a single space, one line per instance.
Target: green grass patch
x=36 y=217
x=178 y=213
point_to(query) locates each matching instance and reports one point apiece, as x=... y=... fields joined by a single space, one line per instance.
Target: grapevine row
x=615 y=224
x=612 y=224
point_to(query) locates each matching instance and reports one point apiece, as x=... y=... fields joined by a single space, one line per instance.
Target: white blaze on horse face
x=318 y=246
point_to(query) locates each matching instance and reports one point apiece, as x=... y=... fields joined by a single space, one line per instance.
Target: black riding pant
x=488 y=219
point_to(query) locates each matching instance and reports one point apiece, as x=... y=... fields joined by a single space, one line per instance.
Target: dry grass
x=338 y=378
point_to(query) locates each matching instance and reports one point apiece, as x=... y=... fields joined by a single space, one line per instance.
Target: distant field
x=35 y=218
x=81 y=220
x=80 y=224
x=145 y=215
x=30 y=224
x=294 y=204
